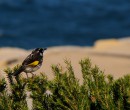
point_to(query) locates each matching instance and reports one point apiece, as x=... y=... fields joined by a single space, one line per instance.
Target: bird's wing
x=30 y=60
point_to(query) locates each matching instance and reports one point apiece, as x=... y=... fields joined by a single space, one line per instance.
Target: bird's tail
x=17 y=72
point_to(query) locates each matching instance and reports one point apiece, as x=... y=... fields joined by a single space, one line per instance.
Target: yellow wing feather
x=35 y=63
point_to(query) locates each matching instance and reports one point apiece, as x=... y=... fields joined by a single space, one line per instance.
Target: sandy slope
x=112 y=56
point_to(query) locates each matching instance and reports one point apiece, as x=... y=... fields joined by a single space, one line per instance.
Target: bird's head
x=41 y=50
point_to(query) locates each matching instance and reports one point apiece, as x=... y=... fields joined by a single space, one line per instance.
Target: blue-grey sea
x=44 y=23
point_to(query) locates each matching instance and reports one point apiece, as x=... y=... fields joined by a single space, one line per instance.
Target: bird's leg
x=27 y=75
x=32 y=74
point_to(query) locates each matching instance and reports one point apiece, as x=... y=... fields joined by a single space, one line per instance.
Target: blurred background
x=44 y=23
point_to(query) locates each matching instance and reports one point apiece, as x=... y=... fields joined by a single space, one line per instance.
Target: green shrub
x=64 y=92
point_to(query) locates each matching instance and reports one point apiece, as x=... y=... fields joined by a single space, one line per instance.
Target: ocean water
x=44 y=23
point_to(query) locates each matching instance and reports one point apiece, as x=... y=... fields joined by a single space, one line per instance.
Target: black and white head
x=39 y=51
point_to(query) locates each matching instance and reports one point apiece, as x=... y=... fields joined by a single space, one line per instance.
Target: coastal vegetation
x=65 y=92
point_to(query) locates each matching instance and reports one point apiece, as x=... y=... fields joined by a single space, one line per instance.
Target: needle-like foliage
x=64 y=92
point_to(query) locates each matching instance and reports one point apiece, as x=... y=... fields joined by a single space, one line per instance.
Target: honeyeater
x=32 y=62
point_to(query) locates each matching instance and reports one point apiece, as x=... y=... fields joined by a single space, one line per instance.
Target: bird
x=32 y=62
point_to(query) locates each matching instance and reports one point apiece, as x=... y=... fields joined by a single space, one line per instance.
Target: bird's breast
x=30 y=69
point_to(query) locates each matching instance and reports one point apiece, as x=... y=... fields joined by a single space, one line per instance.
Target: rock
x=103 y=44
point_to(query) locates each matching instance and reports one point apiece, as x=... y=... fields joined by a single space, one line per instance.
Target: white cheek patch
x=41 y=54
